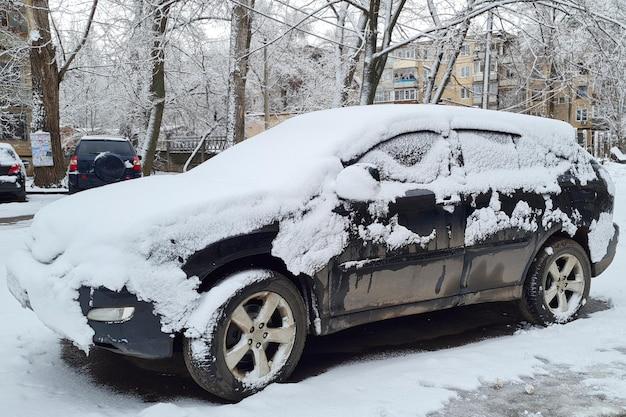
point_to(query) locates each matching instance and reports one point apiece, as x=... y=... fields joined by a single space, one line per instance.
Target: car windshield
x=7 y=157
x=95 y=147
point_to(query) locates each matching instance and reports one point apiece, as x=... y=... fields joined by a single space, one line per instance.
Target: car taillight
x=15 y=169
x=136 y=164
x=73 y=163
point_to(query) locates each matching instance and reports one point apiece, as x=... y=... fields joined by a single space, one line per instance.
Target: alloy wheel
x=260 y=335
x=564 y=285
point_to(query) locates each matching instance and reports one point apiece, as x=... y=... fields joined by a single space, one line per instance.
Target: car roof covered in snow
x=105 y=137
x=8 y=156
x=347 y=132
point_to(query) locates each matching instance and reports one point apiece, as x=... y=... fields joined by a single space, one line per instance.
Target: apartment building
x=15 y=83
x=514 y=85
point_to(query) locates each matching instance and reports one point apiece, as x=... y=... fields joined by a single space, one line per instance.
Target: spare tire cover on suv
x=108 y=167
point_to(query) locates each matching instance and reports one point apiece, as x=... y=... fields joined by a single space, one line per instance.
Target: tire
x=21 y=196
x=542 y=298
x=205 y=357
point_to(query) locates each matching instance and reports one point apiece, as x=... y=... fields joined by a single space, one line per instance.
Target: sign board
x=41 y=146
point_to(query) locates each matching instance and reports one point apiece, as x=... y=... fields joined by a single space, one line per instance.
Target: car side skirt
x=338 y=323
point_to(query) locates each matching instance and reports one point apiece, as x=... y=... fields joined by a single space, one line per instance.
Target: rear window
x=7 y=156
x=485 y=151
x=94 y=147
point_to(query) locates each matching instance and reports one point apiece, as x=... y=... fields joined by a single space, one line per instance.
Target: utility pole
x=487 y=63
x=266 y=91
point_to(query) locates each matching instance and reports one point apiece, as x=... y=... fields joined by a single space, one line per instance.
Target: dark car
x=12 y=173
x=328 y=221
x=101 y=160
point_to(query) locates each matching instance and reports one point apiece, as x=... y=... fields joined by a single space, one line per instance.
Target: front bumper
x=599 y=267
x=141 y=336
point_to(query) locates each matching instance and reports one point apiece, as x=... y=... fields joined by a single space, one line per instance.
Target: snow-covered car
x=12 y=173
x=330 y=220
x=100 y=160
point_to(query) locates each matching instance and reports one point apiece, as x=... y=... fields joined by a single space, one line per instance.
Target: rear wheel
x=258 y=339
x=558 y=283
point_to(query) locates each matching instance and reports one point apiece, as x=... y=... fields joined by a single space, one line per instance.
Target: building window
x=581 y=91
x=479 y=65
x=562 y=100
x=13 y=126
x=405 y=53
x=465 y=93
x=4 y=19
x=465 y=50
x=383 y=96
x=465 y=71
x=406 y=94
x=581 y=115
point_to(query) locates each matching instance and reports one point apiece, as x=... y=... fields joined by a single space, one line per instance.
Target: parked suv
x=12 y=173
x=330 y=220
x=101 y=160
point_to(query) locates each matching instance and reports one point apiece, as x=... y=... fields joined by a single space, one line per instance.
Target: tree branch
x=82 y=42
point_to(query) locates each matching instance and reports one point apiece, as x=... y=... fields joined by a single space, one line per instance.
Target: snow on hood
x=138 y=233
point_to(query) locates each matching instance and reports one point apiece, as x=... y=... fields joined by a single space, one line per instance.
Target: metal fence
x=187 y=144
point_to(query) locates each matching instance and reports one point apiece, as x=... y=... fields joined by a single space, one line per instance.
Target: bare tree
x=373 y=62
x=159 y=15
x=46 y=78
x=240 y=35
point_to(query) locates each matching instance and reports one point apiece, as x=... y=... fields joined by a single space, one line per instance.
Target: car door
x=500 y=226
x=409 y=251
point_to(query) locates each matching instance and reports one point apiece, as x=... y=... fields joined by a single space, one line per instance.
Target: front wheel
x=558 y=283
x=257 y=338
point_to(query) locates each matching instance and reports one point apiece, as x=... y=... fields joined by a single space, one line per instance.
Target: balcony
x=406 y=83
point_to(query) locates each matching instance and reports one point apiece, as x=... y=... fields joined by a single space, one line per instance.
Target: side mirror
x=358 y=182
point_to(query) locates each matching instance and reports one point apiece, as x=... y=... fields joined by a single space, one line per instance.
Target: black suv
x=101 y=160
x=327 y=221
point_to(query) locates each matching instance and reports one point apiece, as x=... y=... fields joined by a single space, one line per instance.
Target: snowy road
x=474 y=361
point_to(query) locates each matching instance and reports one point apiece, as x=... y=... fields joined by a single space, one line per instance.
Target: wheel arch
x=580 y=237
x=265 y=260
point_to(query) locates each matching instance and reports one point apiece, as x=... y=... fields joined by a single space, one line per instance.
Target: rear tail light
x=136 y=164
x=15 y=169
x=73 y=163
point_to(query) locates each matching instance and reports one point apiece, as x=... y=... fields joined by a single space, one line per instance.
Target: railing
x=187 y=144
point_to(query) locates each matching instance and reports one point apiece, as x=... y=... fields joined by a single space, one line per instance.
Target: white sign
x=41 y=146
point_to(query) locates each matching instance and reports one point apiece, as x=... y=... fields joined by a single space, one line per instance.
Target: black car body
x=423 y=249
x=101 y=160
x=12 y=173
x=369 y=282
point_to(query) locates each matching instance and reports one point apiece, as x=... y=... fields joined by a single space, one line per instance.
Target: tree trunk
x=370 y=79
x=157 y=86
x=240 y=34
x=45 y=87
x=459 y=39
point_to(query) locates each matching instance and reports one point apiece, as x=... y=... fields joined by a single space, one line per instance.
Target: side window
x=411 y=157
x=485 y=151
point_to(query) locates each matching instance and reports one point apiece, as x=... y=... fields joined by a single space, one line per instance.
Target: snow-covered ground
x=578 y=369
x=15 y=210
